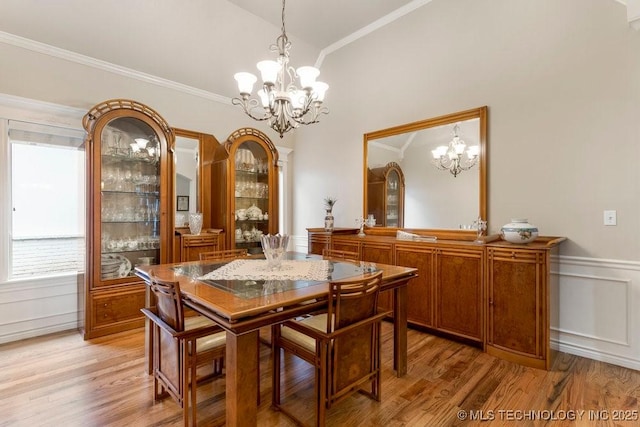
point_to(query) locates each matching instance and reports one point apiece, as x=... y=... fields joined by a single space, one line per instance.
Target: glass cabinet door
x=393 y=198
x=129 y=202
x=251 y=194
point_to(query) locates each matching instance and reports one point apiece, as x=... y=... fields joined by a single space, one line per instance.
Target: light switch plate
x=610 y=218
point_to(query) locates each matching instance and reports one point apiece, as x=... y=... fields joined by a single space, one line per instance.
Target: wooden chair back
x=176 y=350
x=339 y=254
x=168 y=302
x=223 y=254
x=354 y=351
x=350 y=301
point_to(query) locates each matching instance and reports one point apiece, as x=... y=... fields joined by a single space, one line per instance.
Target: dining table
x=244 y=295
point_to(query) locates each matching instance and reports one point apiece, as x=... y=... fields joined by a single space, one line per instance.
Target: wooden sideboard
x=494 y=295
x=188 y=247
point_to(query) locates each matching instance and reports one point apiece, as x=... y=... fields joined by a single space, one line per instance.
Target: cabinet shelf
x=131 y=221
x=109 y=159
x=252 y=198
x=254 y=174
x=129 y=251
x=139 y=193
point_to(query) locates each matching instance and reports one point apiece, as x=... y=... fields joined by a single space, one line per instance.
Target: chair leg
x=377 y=381
x=258 y=370
x=322 y=387
x=189 y=399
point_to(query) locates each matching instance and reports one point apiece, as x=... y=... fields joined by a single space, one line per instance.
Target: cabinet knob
x=513 y=254
x=105 y=305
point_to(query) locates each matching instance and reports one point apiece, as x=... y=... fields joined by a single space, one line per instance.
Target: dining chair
x=342 y=343
x=181 y=344
x=340 y=254
x=223 y=254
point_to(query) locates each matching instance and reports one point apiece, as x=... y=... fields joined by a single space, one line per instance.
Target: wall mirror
x=431 y=198
x=187 y=176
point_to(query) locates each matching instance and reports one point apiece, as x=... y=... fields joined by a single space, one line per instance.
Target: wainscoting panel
x=37 y=307
x=598 y=310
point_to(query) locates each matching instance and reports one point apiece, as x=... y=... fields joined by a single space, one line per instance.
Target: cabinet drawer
x=200 y=240
x=377 y=252
x=345 y=245
x=114 y=308
x=516 y=255
x=318 y=242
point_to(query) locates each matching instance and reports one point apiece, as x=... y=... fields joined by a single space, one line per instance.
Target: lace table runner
x=245 y=269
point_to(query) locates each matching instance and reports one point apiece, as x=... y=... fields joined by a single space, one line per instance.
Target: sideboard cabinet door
x=458 y=292
x=517 y=302
x=421 y=289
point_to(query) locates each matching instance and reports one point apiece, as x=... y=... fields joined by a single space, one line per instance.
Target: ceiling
x=322 y=23
x=197 y=45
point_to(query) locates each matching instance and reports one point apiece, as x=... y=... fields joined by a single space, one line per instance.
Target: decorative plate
x=114 y=266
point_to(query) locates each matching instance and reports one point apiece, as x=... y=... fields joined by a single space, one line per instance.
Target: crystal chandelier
x=281 y=102
x=453 y=158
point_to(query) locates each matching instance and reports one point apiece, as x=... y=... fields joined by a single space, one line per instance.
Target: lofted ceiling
x=195 y=46
x=322 y=23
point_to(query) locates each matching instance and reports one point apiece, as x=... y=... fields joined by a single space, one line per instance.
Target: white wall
x=562 y=83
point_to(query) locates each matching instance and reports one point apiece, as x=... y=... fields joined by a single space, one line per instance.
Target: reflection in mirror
x=187 y=167
x=434 y=198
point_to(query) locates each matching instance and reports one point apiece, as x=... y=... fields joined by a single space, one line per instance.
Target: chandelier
x=285 y=105
x=453 y=157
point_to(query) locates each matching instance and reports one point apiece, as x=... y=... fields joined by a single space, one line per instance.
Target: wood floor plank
x=62 y=381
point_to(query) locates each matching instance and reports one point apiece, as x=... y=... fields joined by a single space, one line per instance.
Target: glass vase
x=195 y=223
x=328 y=221
x=274 y=248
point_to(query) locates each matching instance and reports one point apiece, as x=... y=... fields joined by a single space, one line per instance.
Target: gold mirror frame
x=476 y=113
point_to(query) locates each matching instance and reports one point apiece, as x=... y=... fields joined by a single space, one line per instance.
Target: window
x=47 y=200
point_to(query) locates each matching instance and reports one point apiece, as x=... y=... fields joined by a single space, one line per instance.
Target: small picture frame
x=182 y=203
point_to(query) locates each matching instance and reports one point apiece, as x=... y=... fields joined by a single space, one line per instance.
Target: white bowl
x=519 y=231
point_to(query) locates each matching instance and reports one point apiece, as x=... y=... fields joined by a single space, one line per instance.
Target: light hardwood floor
x=61 y=380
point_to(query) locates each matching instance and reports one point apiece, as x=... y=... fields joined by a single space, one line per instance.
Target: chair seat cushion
x=208 y=342
x=318 y=322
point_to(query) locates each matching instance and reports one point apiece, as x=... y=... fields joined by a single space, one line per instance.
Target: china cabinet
x=128 y=205
x=246 y=205
x=385 y=189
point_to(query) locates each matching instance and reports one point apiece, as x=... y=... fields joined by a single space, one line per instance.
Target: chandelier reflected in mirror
x=456 y=157
x=283 y=104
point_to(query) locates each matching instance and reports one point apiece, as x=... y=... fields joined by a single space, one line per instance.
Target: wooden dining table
x=242 y=307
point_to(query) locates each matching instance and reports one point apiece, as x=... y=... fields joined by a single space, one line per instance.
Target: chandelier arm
x=248 y=105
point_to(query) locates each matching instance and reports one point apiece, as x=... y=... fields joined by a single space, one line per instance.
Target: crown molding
x=370 y=28
x=78 y=58
x=633 y=13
